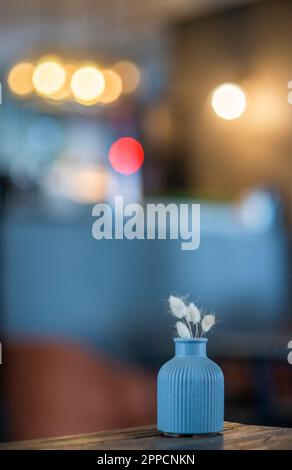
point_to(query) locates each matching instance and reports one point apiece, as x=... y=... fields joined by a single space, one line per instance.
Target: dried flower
x=177 y=307
x=182 y=330
x=207 y=322
x=189 y=316
x=193 y=314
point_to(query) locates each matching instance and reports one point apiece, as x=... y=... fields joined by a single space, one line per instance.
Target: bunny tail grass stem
x=189 y=327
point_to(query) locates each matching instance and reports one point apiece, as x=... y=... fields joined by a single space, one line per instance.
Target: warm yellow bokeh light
x=229 y=101
x=20 y=79
x=65 y=92
x=83 y=184
x=89 y=185
x=129 y=74
x=113 y=86
x=87 y=84
x=49 y=77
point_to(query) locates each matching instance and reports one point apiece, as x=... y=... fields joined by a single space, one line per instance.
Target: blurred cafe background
x=202 y=86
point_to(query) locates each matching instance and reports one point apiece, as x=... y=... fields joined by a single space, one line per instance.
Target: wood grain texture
x=235 y=436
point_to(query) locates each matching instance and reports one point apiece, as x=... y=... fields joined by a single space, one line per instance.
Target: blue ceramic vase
x=190 y=391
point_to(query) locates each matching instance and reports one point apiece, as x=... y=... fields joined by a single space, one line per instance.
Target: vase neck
x=190 y=347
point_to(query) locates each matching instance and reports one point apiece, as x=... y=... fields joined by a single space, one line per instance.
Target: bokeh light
x=65 y=92
x=20 y=79
x=55 y=81
x=129 y=74
x=49 y=77
x=84 y=184
x=126 y=155
x=258 y=211
x=113 y=86
x=87 y=84
x=87 y=185
x=229 y=101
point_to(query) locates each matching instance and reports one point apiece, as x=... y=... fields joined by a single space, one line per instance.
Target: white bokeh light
x=229 y=101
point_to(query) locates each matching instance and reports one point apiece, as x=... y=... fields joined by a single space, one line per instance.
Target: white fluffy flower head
x=207 y=322
x=182 y=330
x=177 y=307
x=193 y=314
x=191 y=323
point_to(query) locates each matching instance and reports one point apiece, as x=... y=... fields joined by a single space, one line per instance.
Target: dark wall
x=251 y=46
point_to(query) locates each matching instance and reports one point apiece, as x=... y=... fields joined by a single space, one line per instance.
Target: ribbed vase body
x=190 y=391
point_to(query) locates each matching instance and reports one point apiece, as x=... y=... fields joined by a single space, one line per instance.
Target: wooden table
x=235 y=436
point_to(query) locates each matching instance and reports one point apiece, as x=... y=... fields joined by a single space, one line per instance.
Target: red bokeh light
x=126 y=155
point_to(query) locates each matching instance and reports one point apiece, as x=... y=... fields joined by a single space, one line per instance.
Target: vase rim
x=190 y=340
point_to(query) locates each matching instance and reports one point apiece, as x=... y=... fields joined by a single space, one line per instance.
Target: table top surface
x=235 y=436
